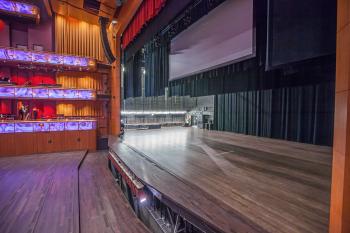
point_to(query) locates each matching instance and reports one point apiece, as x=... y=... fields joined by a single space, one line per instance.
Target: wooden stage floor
x=47 y=193
x=233 y=182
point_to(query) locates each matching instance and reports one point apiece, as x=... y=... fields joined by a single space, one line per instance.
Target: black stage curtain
x=132 y=76
x=295 y=103
x=302 y=113
x=157 y=68
x=249 y=75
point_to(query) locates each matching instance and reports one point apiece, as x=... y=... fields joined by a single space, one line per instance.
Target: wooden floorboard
x=30 y=199
x=268 y=185
x=102 y=204
x=39 y=194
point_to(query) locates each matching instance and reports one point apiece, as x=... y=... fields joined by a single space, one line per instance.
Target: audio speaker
x=105 y=44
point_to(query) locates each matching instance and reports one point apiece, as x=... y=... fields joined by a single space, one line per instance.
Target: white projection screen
x=224 y=36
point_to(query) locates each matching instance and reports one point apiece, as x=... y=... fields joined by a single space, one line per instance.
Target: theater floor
x=48 y=193
x=234 y=182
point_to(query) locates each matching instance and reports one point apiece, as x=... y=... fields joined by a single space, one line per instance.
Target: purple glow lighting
x=56 y=126
x=7 y=91
x=3 y=54
x=56 y=93
x=25 y=127
x=40 y=93
x=22 y=55
x=55 y=59
x=39 y=57
x=45 y=93
x=23 y=92
x=69 y=61
x=18 y=8
x=11 y=55
x=72 y=125
x=86 y=94
x=71 y=94
x=46 y=126
x=8 y=54
x=6 y=5
x=86 y=125
x=41 y=127
x=7 y=127
x=84 y=62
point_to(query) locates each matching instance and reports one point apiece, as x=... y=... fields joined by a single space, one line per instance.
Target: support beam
x=340 y=197
x=115 y=88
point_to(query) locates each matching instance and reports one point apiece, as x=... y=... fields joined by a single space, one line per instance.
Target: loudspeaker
x=105 y=44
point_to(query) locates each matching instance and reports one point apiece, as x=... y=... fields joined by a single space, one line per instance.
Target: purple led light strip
x=45 y=126
x=46 y=93
x=9 y=54
x=18 y=7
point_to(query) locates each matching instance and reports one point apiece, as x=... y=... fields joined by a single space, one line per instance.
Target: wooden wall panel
x=78 y=38
x=92 y=140
x=80 y=109
x=43 y=140
x=46 y=142
x=84 y=140
x=340 y=197
x=87 y=140
x=57 y=141
x=80 y=80
x=25 y=143
x=115 y=90
x=71 y=141
x=7 y=145
x=50 y=142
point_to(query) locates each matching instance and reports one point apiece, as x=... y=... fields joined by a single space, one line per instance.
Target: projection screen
x=224 y=36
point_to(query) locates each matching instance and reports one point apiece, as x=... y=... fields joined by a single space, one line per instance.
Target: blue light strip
x=16 y=55
x=20 y=92
x=19 y=8
x=46 y=126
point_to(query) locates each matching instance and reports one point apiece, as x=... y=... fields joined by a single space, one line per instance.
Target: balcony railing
x=66 y=62
x=21 y=92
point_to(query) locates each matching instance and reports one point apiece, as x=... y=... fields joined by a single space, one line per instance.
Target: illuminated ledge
x=153 y=112
x=66 y=62
x=46 y=126
x=19 y=9
x=20 y=92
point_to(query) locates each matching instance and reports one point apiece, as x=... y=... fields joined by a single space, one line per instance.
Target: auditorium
x=168 y=116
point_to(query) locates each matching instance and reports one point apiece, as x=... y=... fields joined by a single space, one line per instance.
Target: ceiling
x=90 y=10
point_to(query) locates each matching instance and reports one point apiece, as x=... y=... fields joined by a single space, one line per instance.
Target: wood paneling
x=46 y=142
x=39 y=193
x=71 y=140
x=80 y=80
x=25 y=143
x=78 y=37
x=340 y=198
x=50 y=141
x=87 y=140
x=80 y=108
x=7 y=145
x=99 y=193
x=234 y=182
x=115 y=90
x=91 y=140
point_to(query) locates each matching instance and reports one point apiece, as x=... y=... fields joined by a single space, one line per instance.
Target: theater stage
x=232 y=182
